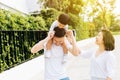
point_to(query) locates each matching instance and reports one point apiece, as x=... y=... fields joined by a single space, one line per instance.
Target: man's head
x=58 y=38
x=63 y=20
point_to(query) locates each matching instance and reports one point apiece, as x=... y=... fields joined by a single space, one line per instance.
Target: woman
x=102 y=59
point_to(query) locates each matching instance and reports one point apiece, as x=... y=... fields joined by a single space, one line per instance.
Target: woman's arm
x=74 y=50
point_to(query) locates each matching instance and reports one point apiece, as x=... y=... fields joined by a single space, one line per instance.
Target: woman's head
x=105 y=38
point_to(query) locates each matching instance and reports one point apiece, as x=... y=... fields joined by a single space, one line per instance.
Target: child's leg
x=65 y=50
x=65 y=58
x=65 y=55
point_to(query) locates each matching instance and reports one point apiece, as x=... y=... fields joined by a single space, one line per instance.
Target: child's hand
x=50 y=35
x=69 y=33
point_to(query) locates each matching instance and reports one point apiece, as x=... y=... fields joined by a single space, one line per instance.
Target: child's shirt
x=55 y=24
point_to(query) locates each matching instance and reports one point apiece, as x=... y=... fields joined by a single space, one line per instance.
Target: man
x=54 y=68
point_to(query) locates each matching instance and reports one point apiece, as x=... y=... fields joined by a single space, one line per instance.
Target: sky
x=117 y=7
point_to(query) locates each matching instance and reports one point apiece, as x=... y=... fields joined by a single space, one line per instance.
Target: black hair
x=108 y=40
x=59 y=32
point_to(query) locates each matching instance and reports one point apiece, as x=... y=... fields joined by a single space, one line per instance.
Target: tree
x=68 y=6
x=102 y=12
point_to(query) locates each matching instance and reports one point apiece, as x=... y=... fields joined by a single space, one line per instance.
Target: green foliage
x=68 y=6
x=37 y=23
x=15 y=47
x=15 y=44
x=16 y=21
x=80 y=27
x=49 y=15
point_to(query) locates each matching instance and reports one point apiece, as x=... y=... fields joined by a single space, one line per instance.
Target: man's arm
x=40 y=44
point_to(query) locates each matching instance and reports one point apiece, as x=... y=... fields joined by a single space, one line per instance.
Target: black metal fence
x=15 y=47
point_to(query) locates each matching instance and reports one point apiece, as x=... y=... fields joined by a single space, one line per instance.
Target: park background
x=25 y=22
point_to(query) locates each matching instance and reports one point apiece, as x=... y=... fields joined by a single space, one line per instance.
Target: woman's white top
x=102 y=66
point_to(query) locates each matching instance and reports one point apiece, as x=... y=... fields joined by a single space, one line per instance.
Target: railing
x=15 y=47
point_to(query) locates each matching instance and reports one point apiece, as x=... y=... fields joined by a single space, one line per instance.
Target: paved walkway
x=78 y=68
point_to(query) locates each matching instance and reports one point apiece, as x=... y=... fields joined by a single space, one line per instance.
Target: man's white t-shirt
x=54 y=68
x=55 y=24
x=102 y=66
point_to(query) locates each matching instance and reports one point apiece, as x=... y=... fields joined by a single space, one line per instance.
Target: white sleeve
x=110 y=65
x=66 y=27
x=87 y=54
x=54 y=24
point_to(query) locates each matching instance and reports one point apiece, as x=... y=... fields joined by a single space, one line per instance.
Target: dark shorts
x=67 y=78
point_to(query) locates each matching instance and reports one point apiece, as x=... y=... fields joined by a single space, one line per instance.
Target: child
x=61 y=22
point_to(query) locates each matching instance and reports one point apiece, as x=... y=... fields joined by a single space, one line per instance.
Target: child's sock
x=65 y=57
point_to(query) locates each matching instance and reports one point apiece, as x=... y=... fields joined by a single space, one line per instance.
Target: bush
x=80 y=26
x=15 y=45
x=49 y=15
x=16 y=21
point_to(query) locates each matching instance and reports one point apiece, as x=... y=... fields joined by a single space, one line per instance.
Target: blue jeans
x=67 y=78
x=94 y=78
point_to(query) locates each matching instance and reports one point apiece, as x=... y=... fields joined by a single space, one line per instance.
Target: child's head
x=63 y=20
